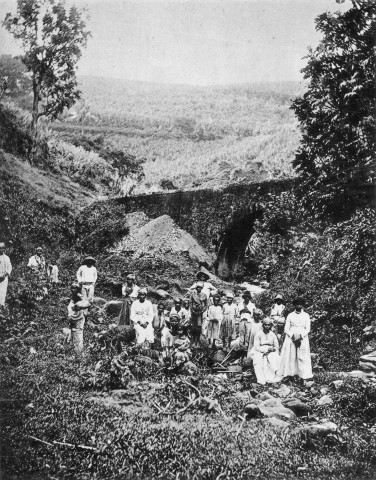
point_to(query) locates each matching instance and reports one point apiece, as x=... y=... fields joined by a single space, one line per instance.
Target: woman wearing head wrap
x=142 y=317
x=265 y=354
x=179 y=310
x=230 y=314
x=246 y=313
x=295 y=354
x=130 y=291
x=198 y=305
x=169 y=333
x=215 y=315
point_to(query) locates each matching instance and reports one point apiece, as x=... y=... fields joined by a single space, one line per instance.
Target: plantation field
x=192 y=136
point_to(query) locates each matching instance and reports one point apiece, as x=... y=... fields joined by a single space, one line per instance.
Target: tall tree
x=337 y=113
x=52 y=37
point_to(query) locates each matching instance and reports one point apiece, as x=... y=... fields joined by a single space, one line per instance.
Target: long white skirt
x=266 y=366
x=295 y=361
x=144 y=334
x=3 y=291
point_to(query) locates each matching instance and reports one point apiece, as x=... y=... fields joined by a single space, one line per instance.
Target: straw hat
x=89 y=259
x=279 y=297
x=201 y=273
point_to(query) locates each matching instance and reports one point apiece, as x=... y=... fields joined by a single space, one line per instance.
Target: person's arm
x=275 y=342
x=150 y=316
x=30 y=263
x=205 y=303
x=307 y=327
x=8 y=268
x=288 y=326
x=95 y=275
x=192 y=288
x=79 y=275
x=132 y=315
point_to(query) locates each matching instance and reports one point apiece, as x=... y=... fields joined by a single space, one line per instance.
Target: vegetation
x=14 y=81
x=52 y=38
x=338 y=113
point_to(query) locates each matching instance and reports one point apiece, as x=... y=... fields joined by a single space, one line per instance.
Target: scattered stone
x=325 y=400
x=264 y=396
x=275 y=422
x=319 y=429
x=309 y=384
x=337 y=384
x=274 y=408
x=252 y=410
x=324 y=390
x=113 y=307
x=283 y=391
x=300 y=408
x=99 y=301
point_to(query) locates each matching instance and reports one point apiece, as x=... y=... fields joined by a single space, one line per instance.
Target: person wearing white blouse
x=295 y=354
x=5 y=271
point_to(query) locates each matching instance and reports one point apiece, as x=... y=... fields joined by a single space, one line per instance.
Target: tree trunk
x=35 y=113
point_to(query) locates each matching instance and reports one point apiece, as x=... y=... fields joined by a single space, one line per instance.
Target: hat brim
x=198 y=274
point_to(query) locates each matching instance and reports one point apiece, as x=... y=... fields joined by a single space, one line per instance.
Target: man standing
x=87 y=277
x=37 y=262
x=5 y=271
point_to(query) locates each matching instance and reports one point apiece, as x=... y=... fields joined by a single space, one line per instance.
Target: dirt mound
x=160 y=236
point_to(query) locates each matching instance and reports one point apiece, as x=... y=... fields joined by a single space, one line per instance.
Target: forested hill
x=193 y=136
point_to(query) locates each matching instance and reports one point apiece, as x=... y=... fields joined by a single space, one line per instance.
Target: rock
x=300 y=408
x=274 y=408
x=99 y=301
x=337 y=384
x=218 y=356
x=189 y=368
x=252 y=410
x=162 y=294
x=113 y=307
x=277 y=423
x=264 y=396
x=324 y=390
x=319 y=429
x=325 y=400
x=283 y=391
x=309 y=384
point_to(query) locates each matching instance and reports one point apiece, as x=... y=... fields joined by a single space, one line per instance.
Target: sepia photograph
x=187 y=239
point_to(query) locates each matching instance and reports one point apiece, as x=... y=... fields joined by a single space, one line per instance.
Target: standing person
x=215 y=316
x=181 y=352
x=37 y=263
x=198 y=306
x=264 y=354
x=246 y=313
x=87 y=278
x=169 y=333
x=295 y=354
x=5 y=271
x=230 y=313
x=178 y=309
x=76 y=315
x=130 y=292
x=277 y=314
x=159 y=320
x=53 y=272
x=142 y=317
x=207 y=288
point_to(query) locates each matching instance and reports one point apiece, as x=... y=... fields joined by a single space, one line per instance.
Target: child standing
x=215 y=316
x=230 y=313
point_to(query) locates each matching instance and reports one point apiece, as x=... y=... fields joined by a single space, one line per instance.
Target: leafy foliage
x=337 y=114
x=52 y=38
x=14 y=80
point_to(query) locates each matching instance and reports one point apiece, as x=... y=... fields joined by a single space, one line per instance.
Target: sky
x=195 y=42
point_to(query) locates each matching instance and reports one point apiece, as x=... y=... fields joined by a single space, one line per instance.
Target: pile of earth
x=159 y=237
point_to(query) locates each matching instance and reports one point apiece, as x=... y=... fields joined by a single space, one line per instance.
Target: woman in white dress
x=142 y=315
x=264 y=354
x=295 y=354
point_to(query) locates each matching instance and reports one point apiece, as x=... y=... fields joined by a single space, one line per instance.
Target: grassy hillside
x=192 y=136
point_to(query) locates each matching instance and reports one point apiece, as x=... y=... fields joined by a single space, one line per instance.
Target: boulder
x=99 y=301
x=319 y=429
x=274 y=408
x=283 y=391
x=252 y=410
x=113 y=307
x=276 y=423
x=264 y=396
x=300 y=408
x=325 y=400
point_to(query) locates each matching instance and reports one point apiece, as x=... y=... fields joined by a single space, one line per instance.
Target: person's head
x=89 y=262
x=278 y=299
x=298 y=304
x=246 y=296
x=130 y=279
x=160 y=307
x=142 y=294
x=216 y=300
x=180 y=358
x=202 y=276
x=75 y=288
x=39 y=250
x=186 y=303
x=175 y=320
x=267 y=324
x=2 y=248
x=256 y=281
x=177 y=303
x=229 y=297
x=199 y=287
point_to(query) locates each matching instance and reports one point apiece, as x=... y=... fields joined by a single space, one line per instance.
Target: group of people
x=277 y=343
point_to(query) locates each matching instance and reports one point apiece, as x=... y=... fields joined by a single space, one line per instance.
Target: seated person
x=181 y=347
x=169 y=333
x=265 y=356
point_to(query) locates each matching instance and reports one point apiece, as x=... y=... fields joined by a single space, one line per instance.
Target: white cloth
x=77 y=322
x=53 y=273
x=5 y=269
x=215 y=316
x=249 y=306
x=296 y=360
x=167 y=339
x=134 y=292
x=183 y=314
x=276 y=312
x=87 y=291
x=87 y=274
x=207 y=288
x=142 y=314
x=37 y=262
x=265 y=363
